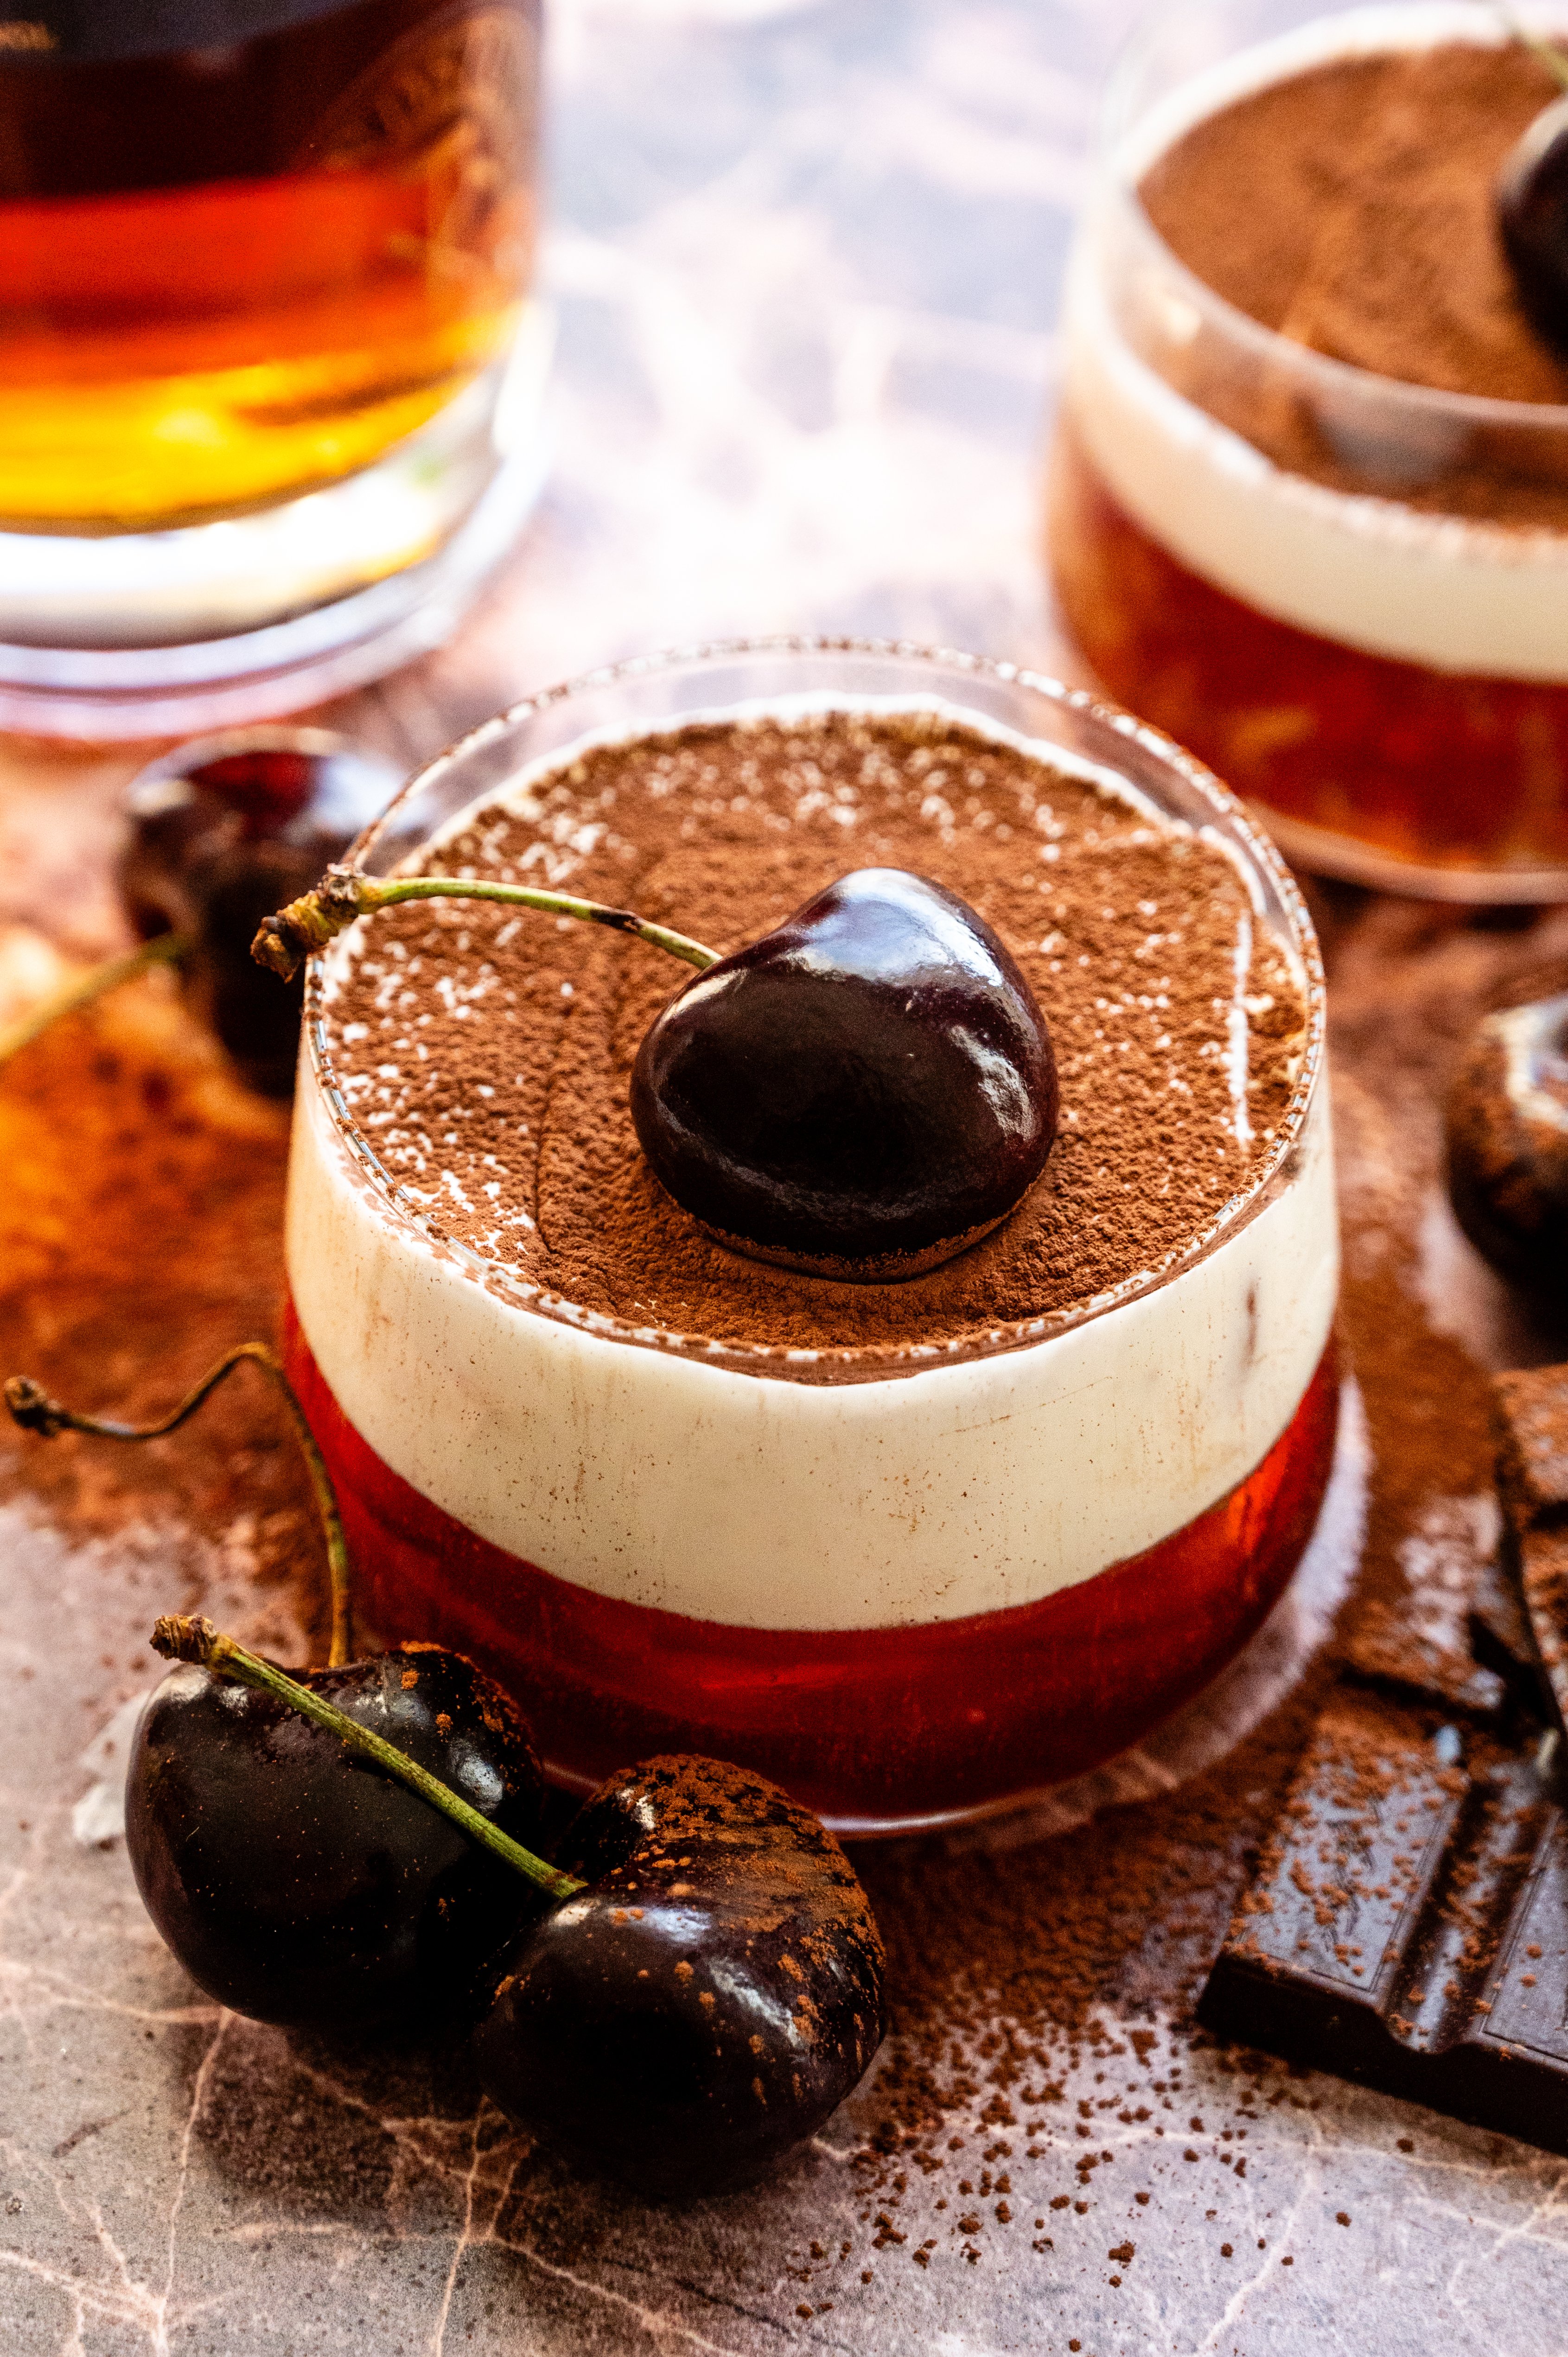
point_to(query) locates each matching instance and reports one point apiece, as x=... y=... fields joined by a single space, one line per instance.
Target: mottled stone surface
x=807 y=259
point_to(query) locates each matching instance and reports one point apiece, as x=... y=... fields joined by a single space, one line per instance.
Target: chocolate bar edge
x=1251 y=2004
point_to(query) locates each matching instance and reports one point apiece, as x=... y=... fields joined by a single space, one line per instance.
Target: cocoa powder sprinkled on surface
x=1367 y=230
x=1350 y=208
x=487 y=1053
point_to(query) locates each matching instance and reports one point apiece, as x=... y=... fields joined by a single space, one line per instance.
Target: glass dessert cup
x=911 y=1591
x=1348 y=593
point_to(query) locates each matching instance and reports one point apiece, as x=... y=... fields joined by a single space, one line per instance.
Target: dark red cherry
x=707 y=2002
x=1533 y=215
x=298 y=1882
x=860 y=1093
x=216 y=839
x=1507 y=1139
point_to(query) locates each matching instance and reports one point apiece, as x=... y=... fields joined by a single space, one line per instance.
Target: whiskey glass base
x=127 y=635
x=882 y=1731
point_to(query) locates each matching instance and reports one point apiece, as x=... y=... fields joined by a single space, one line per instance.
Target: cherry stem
x=1553 y=58
x=35 y=1411
x=181 y=1638
x=164 y=949
x=287 y=940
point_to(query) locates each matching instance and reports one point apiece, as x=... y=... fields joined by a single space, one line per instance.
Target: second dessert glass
x=909 y=1595
x=1349 y=593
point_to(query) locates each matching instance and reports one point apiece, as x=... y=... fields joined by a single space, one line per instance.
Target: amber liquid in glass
x=229 y=273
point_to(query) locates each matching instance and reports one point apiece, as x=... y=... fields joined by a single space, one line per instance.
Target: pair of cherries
x=689 y=1991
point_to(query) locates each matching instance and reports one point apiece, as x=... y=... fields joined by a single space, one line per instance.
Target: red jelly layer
x=1423 y=768
x=875 y=1729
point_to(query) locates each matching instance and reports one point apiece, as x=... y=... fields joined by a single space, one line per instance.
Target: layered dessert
x=910 y=1548
x=1309 y=503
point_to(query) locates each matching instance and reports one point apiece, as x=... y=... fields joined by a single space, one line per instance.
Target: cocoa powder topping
x=487 y=1053
x=1350 y=207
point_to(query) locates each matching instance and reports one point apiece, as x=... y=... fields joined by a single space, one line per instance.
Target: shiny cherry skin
x=297 y=1883
x=1533 y=215
x=707 y=2001
x=861 y=1093
x=215 y=847
x=1507 y=1143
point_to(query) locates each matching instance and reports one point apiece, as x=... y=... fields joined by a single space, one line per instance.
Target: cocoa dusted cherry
x=1533 y=215
x=706 y=2001
x=862 y=1092
x=1507 y=1141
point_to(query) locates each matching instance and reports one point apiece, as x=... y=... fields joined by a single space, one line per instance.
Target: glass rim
x=1345 y=377
x=847 y=1362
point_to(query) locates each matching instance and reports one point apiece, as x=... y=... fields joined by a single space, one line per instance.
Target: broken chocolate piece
x=1500 y=1633
x=1530 y=1417
x=1385 y=1651
x=1530 y=1414
x=1407 y=1925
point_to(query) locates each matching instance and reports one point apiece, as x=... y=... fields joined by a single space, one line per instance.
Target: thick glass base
x=1409 y=780
x=879 y=1730
x=210 y=624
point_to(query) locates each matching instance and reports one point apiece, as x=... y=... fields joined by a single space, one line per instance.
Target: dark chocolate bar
x=1408 y=1923
x=1408 y=1926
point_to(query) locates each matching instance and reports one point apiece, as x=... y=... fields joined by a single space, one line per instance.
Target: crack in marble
x=1235 y=2306
x=64 y=1998
x=198 y=2105
x=466 y=2234
x=131 y=2303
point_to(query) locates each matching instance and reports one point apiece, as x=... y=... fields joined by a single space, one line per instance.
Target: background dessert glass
x=908 y=1595
x=1349 y=594
x=269 y=379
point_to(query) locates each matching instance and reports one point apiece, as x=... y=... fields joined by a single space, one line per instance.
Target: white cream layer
x=652 y=1478
x=1370 y=573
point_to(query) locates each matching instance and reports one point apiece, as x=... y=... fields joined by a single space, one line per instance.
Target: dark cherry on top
x=1532 y=214
x=860 y=1093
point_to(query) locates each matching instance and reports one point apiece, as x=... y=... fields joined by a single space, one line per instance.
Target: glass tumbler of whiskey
x=270 y=371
